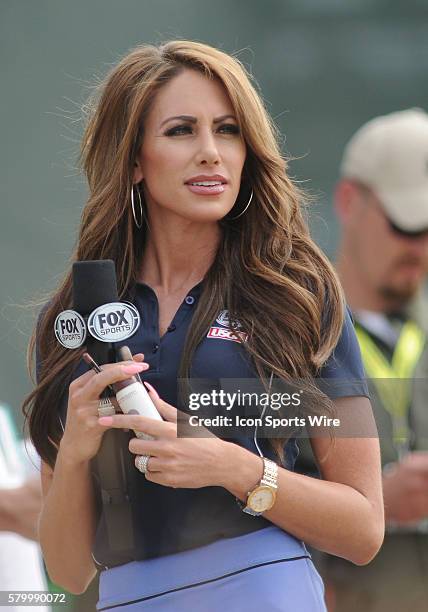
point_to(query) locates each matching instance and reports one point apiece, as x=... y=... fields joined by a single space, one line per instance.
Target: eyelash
x=178 y=129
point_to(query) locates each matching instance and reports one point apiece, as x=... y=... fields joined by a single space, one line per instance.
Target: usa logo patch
x=222 y=333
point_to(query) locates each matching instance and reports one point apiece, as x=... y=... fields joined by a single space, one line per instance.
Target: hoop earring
x=242 y=211
x=138 y=224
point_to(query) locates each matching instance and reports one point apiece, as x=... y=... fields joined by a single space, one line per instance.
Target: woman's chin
x=208 y=213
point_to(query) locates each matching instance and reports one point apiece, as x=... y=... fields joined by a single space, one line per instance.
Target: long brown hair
x=267 y=273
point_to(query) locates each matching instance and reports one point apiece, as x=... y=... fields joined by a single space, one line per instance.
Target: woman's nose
x=208 y=152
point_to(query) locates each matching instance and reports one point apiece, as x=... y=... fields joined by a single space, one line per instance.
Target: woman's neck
x=178 y=255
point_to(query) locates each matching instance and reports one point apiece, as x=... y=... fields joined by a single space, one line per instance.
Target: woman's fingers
x=111 y=374
x=137 y=446
x=138 y=422
x=91 y=382
x=153 y=465
x=81 y=381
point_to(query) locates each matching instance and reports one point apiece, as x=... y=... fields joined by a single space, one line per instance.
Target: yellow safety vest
x=395 y=395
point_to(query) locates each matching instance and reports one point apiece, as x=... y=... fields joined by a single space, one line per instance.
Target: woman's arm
x=67 y=523
x=343 y=514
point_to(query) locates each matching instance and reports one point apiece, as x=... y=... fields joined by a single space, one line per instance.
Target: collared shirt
x=171 y=520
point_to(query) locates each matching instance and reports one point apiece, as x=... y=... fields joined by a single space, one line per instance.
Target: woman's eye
x=229 y=128
x=179 y=130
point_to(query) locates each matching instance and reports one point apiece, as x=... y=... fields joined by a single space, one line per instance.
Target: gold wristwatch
x=263 y=497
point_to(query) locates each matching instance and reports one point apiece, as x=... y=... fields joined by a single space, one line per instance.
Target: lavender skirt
x=266 y=569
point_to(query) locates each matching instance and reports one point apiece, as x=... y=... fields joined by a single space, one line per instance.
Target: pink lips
x=201 y=190
x=215 y=189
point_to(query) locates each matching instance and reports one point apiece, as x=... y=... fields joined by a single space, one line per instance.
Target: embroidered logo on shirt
x=223 y=319
x=227 y=334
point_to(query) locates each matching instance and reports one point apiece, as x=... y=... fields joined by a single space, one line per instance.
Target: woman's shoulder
x=345 y=365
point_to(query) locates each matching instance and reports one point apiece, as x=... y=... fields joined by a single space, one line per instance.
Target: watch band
x=269 y=478
x=270 y=473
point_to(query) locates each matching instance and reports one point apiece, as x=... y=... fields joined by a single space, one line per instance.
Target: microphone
x=94 y=284
x=95 y=298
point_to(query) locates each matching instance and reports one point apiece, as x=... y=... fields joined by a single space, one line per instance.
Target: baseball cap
x=389 y=154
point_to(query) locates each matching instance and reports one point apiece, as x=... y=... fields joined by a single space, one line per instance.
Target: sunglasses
x=368 y=194
x=397 y=231
x=406 y=234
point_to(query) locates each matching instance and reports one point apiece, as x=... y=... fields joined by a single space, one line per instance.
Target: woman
x=190 y=197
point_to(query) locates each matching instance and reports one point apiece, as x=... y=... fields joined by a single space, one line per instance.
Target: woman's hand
x=83 y=434
x=174 y=462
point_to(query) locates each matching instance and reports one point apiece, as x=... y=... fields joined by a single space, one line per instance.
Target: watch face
x=261 y=499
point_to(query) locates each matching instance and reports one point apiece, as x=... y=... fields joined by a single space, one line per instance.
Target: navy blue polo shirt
x=171 y=520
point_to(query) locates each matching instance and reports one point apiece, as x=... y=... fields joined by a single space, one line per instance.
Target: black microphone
x=95 y=284
x=95 y=294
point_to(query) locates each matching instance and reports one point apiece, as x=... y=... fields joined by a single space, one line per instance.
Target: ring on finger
x=105 y=407
x=141 y=463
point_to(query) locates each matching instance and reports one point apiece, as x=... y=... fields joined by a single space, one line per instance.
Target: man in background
x=382 y=203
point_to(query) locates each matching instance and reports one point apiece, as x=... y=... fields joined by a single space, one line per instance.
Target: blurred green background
x=324 y=67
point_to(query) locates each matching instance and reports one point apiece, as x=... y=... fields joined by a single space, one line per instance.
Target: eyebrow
x=191 y=119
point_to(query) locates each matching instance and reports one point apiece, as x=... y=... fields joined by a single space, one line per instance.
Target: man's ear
x=345 y=197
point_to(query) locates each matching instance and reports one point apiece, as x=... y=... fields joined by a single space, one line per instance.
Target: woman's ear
x=138 y=172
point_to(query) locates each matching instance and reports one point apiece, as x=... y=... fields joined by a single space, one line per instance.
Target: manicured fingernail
x=151 y=389
x=133 y=368
x=105 y=420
